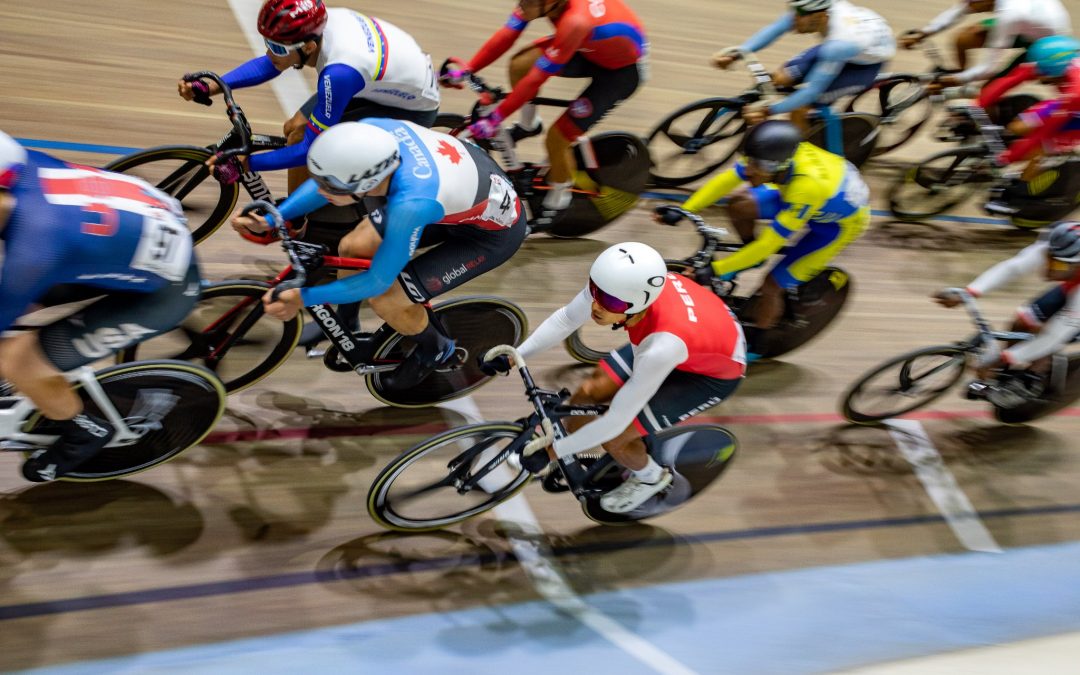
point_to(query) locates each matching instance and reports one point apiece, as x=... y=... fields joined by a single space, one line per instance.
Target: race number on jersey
x=501 y=206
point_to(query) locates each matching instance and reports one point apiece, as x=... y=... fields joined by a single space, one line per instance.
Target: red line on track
x=430 y=428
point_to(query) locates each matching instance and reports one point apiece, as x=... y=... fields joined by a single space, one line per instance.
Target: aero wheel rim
x=694 y=144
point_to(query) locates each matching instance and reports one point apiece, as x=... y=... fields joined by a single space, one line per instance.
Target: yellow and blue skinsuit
x=821 y=195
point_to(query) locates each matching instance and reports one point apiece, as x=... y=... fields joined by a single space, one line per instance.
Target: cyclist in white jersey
x=1015 y=24
x=856 y=43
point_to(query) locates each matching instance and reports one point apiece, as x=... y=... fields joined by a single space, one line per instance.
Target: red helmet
x=291 y=21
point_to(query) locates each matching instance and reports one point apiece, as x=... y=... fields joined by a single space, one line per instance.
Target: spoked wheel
x=180 y=171
x=904 y=384
x=419 y=490
x=903 y=106
x=173 y=405
x=695 y=140
x=697 y=454
x=939 y=184
x=477 y=324
x=229 y=333
x=860 y=132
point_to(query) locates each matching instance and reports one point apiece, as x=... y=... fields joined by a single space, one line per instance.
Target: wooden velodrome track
x=280 y=493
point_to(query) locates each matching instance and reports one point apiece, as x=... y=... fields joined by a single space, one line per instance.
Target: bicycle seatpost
x=273 y=217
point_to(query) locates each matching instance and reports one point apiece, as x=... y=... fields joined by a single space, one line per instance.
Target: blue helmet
x=1052 y=55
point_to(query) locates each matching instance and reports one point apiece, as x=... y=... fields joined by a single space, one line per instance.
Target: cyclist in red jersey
x=598 y=39
x=686 y=354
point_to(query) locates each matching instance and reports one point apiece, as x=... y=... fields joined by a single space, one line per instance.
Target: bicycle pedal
x=977 y=390
x=554 y=483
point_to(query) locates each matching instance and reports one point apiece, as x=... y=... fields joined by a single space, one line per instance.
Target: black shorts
x=456 y=254
x=359 y=108
x=1038 y=311
x=682 y=395
x=116 y=321
x=608 y=89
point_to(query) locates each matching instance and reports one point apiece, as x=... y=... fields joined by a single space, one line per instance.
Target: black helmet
x=771 y=145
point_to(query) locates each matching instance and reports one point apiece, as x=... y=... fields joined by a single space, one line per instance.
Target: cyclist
x=1016 y=24
x=1054 y=316
x=420 y=188
x=686 y=354
x=803 y=190
x=367 y=68
x=598 y=39
x=72 y=233
x=1046 y=127
x=856 y=43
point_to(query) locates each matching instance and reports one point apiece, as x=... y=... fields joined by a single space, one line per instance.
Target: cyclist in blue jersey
x=421 y=188
x=72 y=233
x=856 y=43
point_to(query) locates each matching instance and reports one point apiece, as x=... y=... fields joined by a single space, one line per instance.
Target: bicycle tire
x=882 y=99
x=477 y=323
x=706 y=124
x=140 y=391
x=208 y=327
x=182 y=181
x=381 y=499
x=938 y=184
x=860 y=133
x=1038 y=408
x=953 y=365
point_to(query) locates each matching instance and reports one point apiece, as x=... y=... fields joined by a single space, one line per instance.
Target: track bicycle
x=947 y=179
x=808 y=309
x=464 y=472
x=159 y=408
x=229 y=332
x=916 y=379
x=698 y=138
x=613 y=166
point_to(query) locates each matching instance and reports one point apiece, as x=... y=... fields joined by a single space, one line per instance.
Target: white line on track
x=531 y=549
x=291 y=88
x=941 y=485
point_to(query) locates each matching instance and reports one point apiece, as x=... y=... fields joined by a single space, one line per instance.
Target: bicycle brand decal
x=327 y=320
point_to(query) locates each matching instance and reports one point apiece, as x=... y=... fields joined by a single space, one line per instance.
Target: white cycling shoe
x=633 y=493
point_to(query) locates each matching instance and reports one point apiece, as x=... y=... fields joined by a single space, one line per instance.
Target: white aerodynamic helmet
x=627 y=278
x=810 y=6
x=352 y=158
x=12 y=161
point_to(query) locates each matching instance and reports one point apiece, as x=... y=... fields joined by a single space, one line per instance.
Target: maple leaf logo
x=449 y=151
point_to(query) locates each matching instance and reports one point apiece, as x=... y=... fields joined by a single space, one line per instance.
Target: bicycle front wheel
x=229 y=333
x=173 y=405
x=858 y=134
x=903 y=384
x=903 y=106
x=419 y=490
x=695 y=140
x=180 y=171
x=477 y=324
x=938 y=184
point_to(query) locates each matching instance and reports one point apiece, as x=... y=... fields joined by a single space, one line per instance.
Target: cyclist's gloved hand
x=495 y=366
x=948 y=297
x=227 y=169
x=704 y=276
x=486 y=127
x=668 y=215
x=454 y=72
x=201 y=92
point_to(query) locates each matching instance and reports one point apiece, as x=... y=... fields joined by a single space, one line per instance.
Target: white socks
x=651 y=473
x=559 y=196
x=529 y=117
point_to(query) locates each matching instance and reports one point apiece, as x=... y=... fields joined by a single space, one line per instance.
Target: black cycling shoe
x=519 y=133
x=82 y=439
x=547 y=219
x=417 y=366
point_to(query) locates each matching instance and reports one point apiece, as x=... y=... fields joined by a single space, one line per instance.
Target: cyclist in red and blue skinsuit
x=599 y=39
x=73 y=233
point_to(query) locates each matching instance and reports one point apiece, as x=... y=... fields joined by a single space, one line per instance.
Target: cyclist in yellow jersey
x=808 y=193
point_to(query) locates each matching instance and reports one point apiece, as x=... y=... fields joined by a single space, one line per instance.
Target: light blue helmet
x=1052 y=55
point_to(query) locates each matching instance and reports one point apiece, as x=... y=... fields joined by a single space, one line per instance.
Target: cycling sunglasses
x=607 y=301
x=280 y=48
x=334 y=186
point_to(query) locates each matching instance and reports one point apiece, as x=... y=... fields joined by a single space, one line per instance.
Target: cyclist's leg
x=972 y=37
x=520 y=65
x=746 y=207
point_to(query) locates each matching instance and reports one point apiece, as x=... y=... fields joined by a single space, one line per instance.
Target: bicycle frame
x=15 y=411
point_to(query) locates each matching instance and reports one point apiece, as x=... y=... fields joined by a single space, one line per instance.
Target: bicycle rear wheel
x=173 y=404
x=228 y=333
x=939 y=184
x=477 y=324
x=902 y=105
x=180 y=171
x=860 y=132
x=903 y=384
x=418 y=490
x=695 y=140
